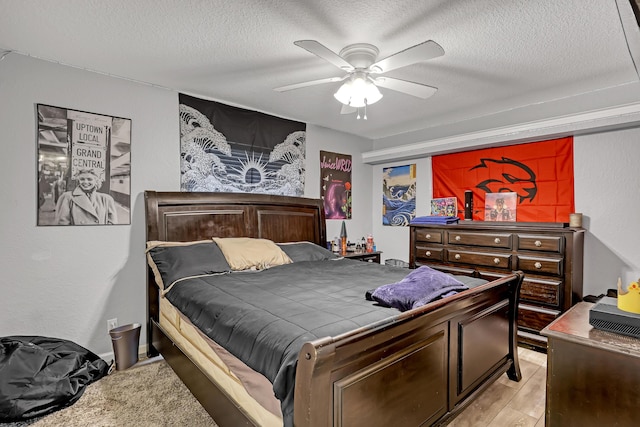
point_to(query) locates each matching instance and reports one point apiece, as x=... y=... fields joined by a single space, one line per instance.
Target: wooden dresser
x=550 y=255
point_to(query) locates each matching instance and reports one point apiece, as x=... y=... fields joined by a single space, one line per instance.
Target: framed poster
x=84 y=168
x=500 y=206
x=398 y=195
x=444 y=206
x=335 y=184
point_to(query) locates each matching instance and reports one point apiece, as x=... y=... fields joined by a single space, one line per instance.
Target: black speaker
x=468 y=205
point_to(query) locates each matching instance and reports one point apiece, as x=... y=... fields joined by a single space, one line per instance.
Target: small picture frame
x=500 y=206
x=444 y=206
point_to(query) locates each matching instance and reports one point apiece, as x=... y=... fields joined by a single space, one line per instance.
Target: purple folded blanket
x=434 y=219
x=418 y=288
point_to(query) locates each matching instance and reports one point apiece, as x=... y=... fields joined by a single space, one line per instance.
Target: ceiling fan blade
x=410 y=88
x=325 y=53
x=418 y=53
x=347 y=109
x=309 y=83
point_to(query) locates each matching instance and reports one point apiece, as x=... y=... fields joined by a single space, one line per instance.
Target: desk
x=593 y=376
x=364 y=256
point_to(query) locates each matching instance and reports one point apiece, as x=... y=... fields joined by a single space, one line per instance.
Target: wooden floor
x=509 y=404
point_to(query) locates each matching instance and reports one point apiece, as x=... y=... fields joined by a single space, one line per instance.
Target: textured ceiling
x=506 y=61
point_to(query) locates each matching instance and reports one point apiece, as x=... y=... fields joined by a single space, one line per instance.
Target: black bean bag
x=40 y=375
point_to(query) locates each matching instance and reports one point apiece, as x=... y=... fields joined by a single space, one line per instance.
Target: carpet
x=147 y=394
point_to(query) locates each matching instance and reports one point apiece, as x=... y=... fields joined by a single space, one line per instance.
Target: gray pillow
x=170 y=263
x=306 y=251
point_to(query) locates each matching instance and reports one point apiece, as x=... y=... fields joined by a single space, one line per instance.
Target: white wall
x=66 y=282
x=607 y=192
x=606 y=189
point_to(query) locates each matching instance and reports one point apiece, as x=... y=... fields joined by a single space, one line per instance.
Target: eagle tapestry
x=540 y=173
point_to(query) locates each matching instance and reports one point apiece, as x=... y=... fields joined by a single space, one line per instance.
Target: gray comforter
x=264 y=317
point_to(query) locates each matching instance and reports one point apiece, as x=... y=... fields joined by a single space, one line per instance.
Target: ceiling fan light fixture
x=358 y=92
x=343 y=95
x=360 y=62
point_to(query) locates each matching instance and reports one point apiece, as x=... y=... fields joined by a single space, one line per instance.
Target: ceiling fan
x=364 y=72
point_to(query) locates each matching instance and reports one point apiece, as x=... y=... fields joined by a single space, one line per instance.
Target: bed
x=422 y=366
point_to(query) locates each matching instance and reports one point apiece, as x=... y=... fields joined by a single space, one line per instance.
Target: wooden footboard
x=421 y=369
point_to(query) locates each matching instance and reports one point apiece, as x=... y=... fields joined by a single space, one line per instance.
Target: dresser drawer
x=426 y=254
x=495 y=260
x=535 y=318
x=541 y=291
x=550 y=255
x=539 y=265
x=428 y=235
x=492 y=240
x=540 y=243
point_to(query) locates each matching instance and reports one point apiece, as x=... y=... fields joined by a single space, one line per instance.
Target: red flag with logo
x=540 y=173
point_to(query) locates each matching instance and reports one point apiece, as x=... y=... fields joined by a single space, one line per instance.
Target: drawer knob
x=457 y=256
x=458 y=238
x=496 y=240
x=538 y=243
x=496 y=261
x=428 y=236
x=428 y=253
x=538 y=265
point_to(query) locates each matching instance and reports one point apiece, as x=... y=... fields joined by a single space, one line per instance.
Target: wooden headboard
x=184 y=217
x=181 y=217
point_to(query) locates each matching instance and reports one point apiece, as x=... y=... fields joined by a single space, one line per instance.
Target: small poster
x=500 y=206
x=335 y=184
x=84 y=168
x=398 y=195
x=444 y=206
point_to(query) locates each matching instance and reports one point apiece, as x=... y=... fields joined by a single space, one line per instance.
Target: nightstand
x=364 y=256
x=592 y=375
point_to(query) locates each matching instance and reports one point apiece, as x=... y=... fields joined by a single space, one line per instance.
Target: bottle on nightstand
x=370 y=243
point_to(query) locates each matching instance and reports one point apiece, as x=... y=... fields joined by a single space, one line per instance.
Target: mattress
x=251 y=390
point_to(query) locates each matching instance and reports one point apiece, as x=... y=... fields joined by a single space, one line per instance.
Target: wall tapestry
x=540 y=173
x=84 y=167
x=335 y=185
x=229 y=149
x=398 y=195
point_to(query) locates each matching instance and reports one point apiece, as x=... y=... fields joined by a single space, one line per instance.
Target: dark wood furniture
x=592 y=375
x=550 y=255
x=420 y=367
x=364 y=256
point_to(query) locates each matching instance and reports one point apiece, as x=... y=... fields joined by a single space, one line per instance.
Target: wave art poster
x=398 y=195
x=229 y=149
x=335 y=185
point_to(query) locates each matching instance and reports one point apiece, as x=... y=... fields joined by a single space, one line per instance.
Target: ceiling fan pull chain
x=365 y=108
